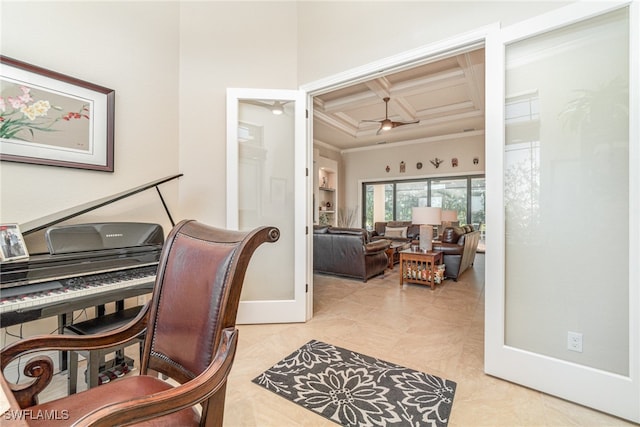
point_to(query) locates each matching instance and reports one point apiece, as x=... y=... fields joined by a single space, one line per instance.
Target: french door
x=267 y=184
x=563 y=178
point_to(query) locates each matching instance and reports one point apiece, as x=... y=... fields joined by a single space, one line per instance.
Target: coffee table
x=394 y=250
x=419 y=267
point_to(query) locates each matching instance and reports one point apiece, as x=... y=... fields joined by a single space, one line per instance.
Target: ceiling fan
x=387 y=124
x=276 y=107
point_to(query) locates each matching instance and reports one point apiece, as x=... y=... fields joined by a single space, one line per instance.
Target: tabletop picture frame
x=12 y=244
x=48 y=118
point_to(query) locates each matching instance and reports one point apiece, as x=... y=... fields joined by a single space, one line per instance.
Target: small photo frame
x=12 y=244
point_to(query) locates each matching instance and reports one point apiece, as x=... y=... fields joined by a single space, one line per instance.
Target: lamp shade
x=426 y=215
x=449 y=216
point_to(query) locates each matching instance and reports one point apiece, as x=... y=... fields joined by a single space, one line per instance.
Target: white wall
x=341 y=35
x=225 y=44
x=129 y=47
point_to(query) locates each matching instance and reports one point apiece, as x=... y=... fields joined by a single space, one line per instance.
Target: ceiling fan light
x=386 y=125
x=277 y=110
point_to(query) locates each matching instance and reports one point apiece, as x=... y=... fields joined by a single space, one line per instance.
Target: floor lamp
x=426 y=217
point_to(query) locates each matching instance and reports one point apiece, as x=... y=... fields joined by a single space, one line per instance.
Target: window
x=393 y=200
x=409 y=195
x=451 y=194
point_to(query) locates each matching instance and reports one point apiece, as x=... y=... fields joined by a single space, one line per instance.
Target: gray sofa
x=348 y=252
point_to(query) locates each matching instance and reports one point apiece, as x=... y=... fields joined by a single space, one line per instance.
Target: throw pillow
x=395 y=232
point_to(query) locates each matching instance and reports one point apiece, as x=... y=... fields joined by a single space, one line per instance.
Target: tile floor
x=439 y=332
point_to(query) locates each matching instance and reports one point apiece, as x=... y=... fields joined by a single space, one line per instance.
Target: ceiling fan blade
x=370 y=121
x=380 y=131
x=396 y=124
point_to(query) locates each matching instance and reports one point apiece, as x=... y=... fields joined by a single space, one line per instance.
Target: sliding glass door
x=408 y=196
x=393 y=200
x=451 y=194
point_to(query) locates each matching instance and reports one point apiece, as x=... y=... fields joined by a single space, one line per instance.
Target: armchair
x=190 y=337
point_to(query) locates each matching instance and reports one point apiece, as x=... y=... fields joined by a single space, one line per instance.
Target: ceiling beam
x=473 y=80
x=352 y=101
x=334 y=123
x=380 y=86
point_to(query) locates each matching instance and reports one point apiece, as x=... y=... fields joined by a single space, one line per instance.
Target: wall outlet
x=574 y=341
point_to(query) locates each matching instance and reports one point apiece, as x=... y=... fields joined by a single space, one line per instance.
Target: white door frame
x=401 y=61
x=577 y=383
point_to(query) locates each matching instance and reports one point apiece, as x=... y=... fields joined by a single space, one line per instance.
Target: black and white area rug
x=352 y=389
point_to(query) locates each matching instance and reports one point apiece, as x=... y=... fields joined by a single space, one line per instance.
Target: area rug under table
x=352 y=389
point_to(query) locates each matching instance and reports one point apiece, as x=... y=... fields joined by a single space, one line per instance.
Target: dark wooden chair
x=190 y=337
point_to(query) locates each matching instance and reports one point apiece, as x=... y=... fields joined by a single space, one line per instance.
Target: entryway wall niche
x=325 y=190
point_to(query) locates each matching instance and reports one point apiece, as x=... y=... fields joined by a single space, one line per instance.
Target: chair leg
x=213 y=408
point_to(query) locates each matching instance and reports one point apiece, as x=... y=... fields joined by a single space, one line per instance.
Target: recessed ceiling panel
x=446 y=96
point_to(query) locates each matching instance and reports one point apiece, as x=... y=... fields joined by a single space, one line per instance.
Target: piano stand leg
x=73 y=376
x=62 y=321
x=93 y=368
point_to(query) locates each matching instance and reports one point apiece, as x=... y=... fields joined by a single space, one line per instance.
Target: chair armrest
x=41 y=367
x=448 y=248
x=205 y=385
x=376 y=246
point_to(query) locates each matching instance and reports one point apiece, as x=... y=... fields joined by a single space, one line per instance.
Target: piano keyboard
x=76 y=287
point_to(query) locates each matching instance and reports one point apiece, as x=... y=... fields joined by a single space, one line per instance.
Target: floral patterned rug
x=352 y=389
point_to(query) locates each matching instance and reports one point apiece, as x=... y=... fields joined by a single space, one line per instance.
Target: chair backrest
x=196 y=296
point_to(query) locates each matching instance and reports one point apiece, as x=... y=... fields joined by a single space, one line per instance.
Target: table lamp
x=449 y=218
x=426 y=217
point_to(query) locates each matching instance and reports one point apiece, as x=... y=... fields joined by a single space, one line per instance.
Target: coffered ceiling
x=446 y=96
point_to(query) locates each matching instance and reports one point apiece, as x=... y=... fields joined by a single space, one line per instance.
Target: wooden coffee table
x=419 y=267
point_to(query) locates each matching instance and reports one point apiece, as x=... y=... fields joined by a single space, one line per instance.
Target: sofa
x=348 y=252
x=458 y=245
x=397 y=231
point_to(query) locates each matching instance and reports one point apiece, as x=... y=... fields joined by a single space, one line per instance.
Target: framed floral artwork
x=12 y=244
x=48 y=118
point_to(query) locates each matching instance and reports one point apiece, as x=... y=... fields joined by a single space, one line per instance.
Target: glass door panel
x=378 y=203
x=450 y=194
x=562 y=185
x=478 y=206
x=267 y=186
x=410 y=195
x=567 y=186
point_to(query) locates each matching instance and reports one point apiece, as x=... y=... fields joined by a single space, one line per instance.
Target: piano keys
x=57 y=297
x=87 y=264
